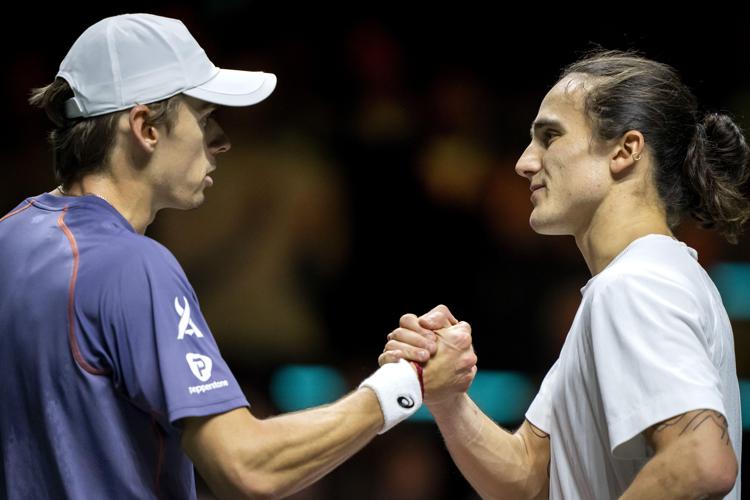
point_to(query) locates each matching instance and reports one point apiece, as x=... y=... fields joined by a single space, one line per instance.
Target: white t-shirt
x=651 y=340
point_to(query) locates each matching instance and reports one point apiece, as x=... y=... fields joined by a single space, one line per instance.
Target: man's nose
x=219 y=142
x=529 y=163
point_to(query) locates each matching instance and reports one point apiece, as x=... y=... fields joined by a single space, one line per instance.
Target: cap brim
x=232 y=87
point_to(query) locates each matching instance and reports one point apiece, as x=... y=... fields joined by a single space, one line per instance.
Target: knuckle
x=466 y=362
x=386 y=357
x=406 y=319
x=397 y=334
x=401 y=332
x=429 y=317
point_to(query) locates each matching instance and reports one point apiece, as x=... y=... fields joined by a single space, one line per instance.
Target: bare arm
x=694 y=459
x=241 y=456
x=497 y=463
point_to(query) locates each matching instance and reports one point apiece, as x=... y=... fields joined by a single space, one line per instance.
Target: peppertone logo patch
x=200 y=365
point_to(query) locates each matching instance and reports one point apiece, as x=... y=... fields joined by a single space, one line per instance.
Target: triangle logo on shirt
x=186 y=325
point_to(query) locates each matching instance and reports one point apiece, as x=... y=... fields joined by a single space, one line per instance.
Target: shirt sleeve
x=540 y=410
x=651 y=357
x=166 y=359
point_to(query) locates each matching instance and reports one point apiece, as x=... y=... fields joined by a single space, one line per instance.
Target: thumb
x=438 y=317
x=434 y=320
x=457 y=336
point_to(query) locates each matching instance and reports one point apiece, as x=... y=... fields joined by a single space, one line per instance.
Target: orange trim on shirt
x=71 y=301
x=16 y=211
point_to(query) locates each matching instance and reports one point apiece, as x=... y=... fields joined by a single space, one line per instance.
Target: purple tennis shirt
x=103 y=349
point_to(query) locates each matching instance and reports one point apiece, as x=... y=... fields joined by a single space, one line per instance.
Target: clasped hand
x=442 y=345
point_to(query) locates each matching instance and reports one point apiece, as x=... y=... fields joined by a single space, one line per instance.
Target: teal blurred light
x=503 y=396
x=733 y=281
x=295 y=387
x=745 y=403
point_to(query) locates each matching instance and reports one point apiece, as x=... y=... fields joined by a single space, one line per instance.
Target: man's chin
x=546 y=227
x=194 y=202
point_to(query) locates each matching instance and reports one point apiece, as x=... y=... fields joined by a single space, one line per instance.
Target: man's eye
x=204 y=121
x=549 y=137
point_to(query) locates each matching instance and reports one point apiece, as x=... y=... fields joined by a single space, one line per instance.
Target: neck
x=612 y=229
x=129 y=199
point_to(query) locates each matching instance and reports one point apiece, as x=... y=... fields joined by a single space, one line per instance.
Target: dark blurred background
x=378 y=180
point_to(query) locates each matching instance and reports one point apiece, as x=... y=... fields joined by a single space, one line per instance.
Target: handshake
x=440 y=352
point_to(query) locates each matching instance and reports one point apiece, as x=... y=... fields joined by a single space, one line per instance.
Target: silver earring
x=636 y=156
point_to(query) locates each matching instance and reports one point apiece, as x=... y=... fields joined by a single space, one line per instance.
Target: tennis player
x=643 y=401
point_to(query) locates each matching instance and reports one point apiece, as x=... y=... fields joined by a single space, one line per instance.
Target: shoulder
x=128 y=250
x=139 y=249
x=106 y=240
x=651 y=266
x=659 y=283
x=128 y=262
x=658 y=252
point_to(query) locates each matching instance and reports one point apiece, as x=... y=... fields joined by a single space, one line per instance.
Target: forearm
x=241 y=456
x=295 y=450
x=495 y=461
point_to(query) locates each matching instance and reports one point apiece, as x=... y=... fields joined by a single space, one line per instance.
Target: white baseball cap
x=132 y=59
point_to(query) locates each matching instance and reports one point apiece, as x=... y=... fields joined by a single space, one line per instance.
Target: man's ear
x=144 y=134
x=627 y=152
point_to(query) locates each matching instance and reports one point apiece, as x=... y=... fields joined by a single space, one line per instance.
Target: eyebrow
x=544 y=123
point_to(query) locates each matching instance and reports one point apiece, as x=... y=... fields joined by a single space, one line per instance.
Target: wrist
x=446 y=406
x=397 y=388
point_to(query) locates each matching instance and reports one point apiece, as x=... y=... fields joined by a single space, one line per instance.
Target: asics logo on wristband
x=405 y=402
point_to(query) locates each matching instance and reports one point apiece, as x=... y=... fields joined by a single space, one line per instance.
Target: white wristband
x=397 y=387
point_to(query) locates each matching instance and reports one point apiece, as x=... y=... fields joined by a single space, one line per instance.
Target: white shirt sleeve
x=651 y=357
x=540 y=410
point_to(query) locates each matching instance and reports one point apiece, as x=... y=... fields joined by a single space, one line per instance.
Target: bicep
x=214 y=444
x=707 y=429
x=696 y=444
x=536 y=443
